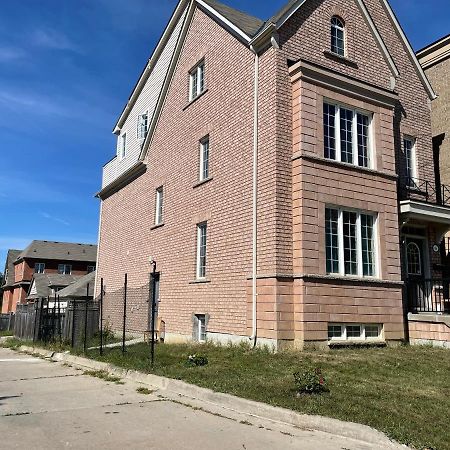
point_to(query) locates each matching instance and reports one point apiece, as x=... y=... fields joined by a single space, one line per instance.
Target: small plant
x=197 y=360
x=144 y=390
x=103 y=375
x=310 y=381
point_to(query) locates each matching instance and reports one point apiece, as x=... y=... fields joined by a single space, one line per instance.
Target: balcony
x=428 y=296
x=422 y=200
x=424 y=191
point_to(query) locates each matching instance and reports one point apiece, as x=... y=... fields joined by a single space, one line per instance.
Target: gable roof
x=42 y=284
x=250 y=25
x=78 y=288
x=9 y=266
x=64 y=251
x=435 y=52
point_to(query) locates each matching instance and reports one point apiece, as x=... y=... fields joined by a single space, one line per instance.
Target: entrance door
x=418 y=287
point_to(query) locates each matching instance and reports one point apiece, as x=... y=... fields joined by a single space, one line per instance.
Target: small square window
x=372 y=331
x=353 y=331
x=159 y=206
x=90 y=269
x=64 y=269
x=39 y=268
x=142 y=126
x=334 y=331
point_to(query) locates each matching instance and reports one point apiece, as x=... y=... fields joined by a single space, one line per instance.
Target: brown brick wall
x=436 y=333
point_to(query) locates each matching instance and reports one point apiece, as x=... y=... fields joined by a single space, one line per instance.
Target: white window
x=337 y=36
x=200 y=331
x=122 y=150
x=204 y=159
x=197 y=80
x=354 y=332
x=201 y=250
x=409 y=147
x=159 y=206
x=64 y=269
x=90 y=269
x=350 y=241
x=39 y=268
x=142 y=126
x=347 y=135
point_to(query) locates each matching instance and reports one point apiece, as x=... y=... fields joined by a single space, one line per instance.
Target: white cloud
x=8 y=54
x=54 y=40
x=54 y=218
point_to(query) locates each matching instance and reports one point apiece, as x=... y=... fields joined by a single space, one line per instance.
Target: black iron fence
x=424 y=190
x=428 y=296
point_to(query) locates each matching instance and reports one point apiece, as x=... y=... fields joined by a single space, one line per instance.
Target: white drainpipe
x=253 y=337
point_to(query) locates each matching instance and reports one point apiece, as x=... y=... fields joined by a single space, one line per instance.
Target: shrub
x=197 y=360
x=310 y=381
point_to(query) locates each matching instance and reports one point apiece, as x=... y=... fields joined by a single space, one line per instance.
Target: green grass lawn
x=404 y=391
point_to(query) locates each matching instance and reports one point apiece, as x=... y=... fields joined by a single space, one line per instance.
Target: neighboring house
x=281 y=175
x=7 y=290
x=81 y=289
x=435 y=60
x=45 y=257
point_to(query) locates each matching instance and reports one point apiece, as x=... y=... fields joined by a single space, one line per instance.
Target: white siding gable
x=146 y=102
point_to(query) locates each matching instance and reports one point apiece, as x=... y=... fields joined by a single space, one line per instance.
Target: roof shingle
x=65 y=251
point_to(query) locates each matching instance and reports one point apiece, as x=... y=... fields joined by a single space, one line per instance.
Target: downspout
x=253 y=337
x=98 y=247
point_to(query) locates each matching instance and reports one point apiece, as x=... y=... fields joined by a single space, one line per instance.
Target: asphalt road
x=46 y=405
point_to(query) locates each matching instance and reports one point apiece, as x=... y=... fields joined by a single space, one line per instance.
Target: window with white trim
x=196 y=80
x=90 y=269
x=122 y=148
x=409 y=148
x=204 y=158
x=200 y=327
x=347 y=135
x=142 y=126
x=159 y=206
x=39 y=268
x=201 y=250
x=354 y=331
x=64 y=269
x=337 y=36
x=350 y=243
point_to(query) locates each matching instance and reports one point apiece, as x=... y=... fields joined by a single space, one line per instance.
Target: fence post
x=153 y=276
x=86 y=318
x=101 y=316
x=74 y=305
x=59 y=322
x=124 y=312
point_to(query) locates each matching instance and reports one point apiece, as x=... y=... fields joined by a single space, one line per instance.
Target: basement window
x=354 y=332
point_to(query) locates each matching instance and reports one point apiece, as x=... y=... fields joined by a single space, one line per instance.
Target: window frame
x=36 y=265
x=334 y=29
x=411 y=172
x=200 y=269
x=122 y=147
x=64 y=266
x=139 y=135
x=91 y=269
x=159 y=205
x=196 y=74
x=201 y=327
x=359 y=243
x=354 y=130
x=362 y=337
x=204 y=144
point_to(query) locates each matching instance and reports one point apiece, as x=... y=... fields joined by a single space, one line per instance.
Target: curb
x=229 y=402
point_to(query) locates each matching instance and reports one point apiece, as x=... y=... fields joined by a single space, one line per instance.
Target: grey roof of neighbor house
x=250 y=25
x=79 y=287
x=65 y=251
x=10 y=258
x=45 y=282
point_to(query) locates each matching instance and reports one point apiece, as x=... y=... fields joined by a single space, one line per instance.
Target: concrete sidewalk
x=52 y=393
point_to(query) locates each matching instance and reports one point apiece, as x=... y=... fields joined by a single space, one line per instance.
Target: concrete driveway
x=45 y=405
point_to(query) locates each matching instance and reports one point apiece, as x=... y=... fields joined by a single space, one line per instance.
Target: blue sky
x=67 y=68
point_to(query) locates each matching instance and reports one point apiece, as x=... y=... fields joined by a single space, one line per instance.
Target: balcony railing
x=424 y=191
x=428 y=296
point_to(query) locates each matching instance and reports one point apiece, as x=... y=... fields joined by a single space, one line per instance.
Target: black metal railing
x=428 y=295
x=423 y=190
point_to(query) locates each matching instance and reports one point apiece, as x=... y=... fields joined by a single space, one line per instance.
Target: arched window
x=337 y=36
x=413 y=259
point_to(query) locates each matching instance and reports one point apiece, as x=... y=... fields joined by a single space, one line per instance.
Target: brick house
x=274 y=172
x=44 y=257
